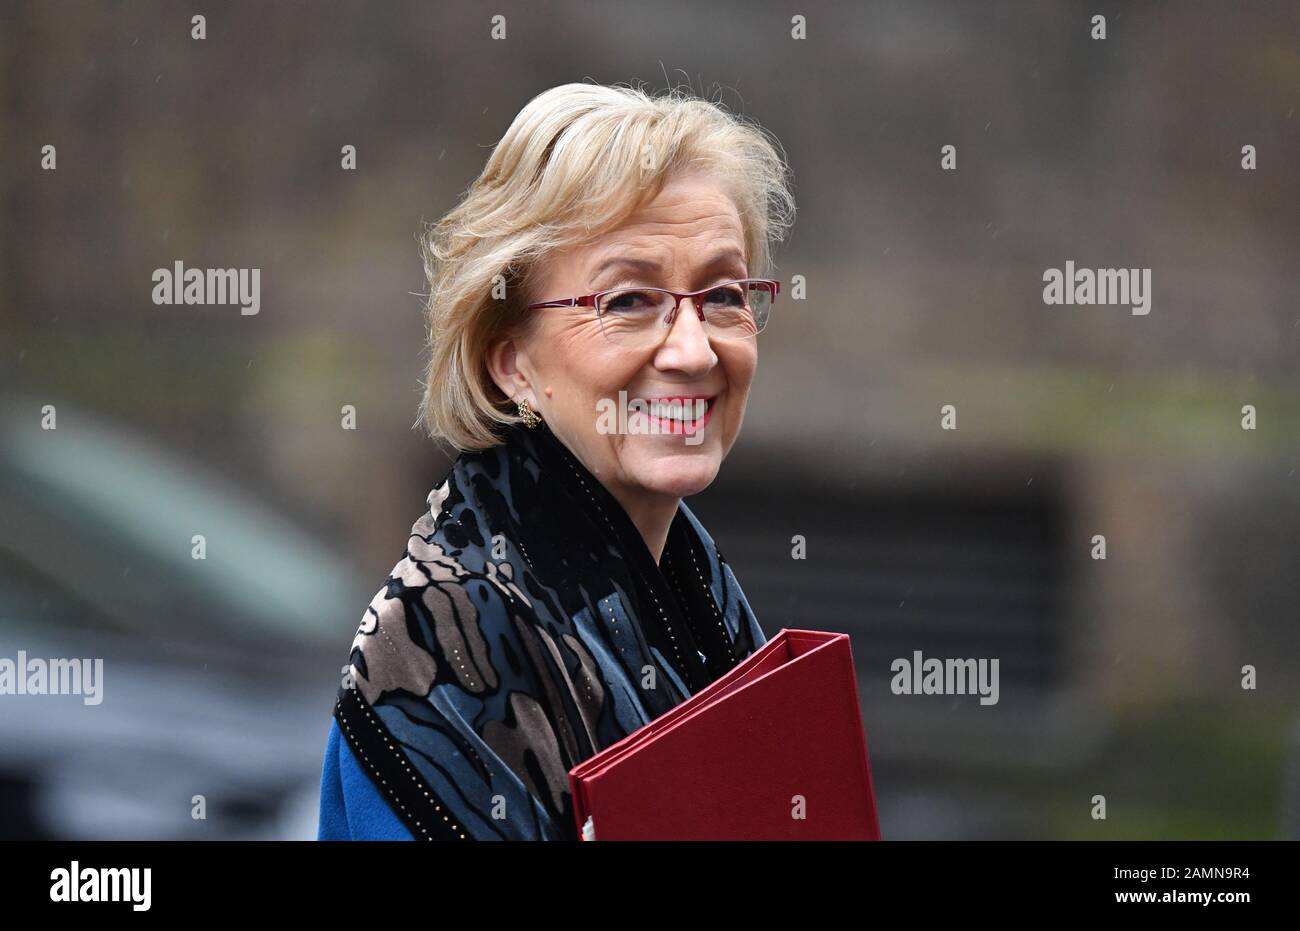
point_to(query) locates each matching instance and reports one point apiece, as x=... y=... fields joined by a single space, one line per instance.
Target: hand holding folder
x=773 y=750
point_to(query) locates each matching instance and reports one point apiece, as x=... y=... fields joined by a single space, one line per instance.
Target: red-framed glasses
x=639 y=316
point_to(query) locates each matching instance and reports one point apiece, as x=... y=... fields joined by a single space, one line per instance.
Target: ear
x=508 y=366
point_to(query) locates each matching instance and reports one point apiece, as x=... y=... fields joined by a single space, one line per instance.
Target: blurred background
x=1119 y=677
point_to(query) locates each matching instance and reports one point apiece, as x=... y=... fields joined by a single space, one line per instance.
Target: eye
x=630 y=301
x=726 y=296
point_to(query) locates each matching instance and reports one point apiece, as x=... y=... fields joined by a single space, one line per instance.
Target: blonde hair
x=577 y=161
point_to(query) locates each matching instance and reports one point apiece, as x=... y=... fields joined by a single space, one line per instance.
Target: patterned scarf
x=526 y=628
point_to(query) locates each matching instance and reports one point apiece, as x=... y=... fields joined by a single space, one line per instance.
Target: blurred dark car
x=217 y=674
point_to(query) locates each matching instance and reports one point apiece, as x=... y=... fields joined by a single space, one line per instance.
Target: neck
x=652 y=515
x=652 y=518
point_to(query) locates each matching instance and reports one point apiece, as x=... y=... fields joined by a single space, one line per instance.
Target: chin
x=682 y=472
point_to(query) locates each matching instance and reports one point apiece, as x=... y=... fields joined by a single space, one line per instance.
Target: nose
x=687 y=347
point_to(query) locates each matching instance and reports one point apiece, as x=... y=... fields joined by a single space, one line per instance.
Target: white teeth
x=678 y=410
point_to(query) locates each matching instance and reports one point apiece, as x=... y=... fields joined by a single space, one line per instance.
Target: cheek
x=573 y=360
x=579 y=366
x=739 y=363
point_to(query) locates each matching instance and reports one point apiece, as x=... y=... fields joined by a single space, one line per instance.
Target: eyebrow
x=718 y=260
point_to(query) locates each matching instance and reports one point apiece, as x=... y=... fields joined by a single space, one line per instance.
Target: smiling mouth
x=678 y=414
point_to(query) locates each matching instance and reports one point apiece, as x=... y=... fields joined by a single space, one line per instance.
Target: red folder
x=773 y=750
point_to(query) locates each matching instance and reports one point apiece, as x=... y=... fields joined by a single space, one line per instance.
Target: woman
x=593 y=318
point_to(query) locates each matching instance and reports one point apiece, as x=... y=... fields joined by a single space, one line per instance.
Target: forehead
x=690 y=212
x=688 y=207
x=691 y=227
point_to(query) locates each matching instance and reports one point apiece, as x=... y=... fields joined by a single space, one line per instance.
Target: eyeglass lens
x=639 y=315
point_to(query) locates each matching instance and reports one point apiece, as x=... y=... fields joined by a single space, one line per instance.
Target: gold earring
x=530 y=416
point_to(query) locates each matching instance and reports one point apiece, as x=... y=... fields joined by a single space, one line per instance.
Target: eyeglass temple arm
x=565 y=302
